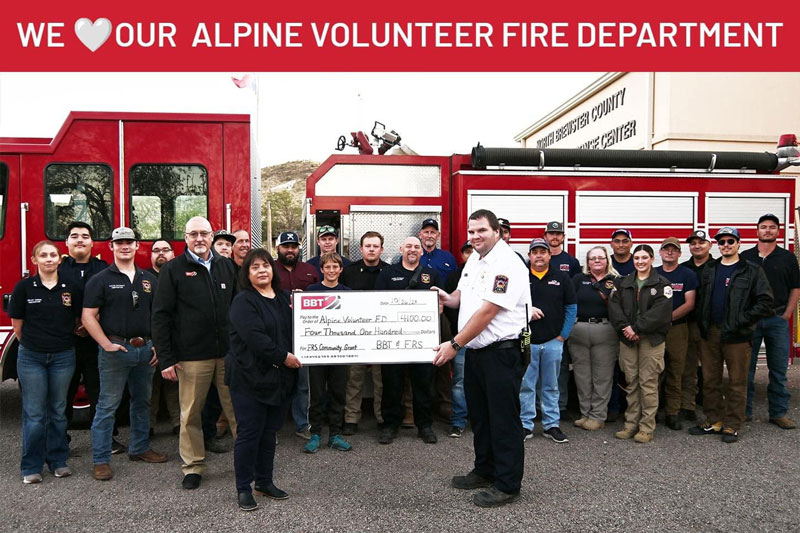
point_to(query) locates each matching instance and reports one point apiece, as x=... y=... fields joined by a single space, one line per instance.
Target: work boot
x=643 y=437
x=783 y=422
x=625 y=434
x=102 y=472
x=494 y=498
x=673 y=422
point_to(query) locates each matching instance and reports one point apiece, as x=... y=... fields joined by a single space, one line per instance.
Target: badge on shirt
x=66 y=299
x=500 y=284
x=609 y=284
x=146 y=286
x=668 y=291
x=554 y=282
x=222 y=286
x=564 y=267
x=191 y=273
x=653 y=291
x=426 y=278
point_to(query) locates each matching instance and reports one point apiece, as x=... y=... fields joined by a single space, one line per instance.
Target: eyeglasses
x=195 y=234
x=598 y=258
x=726 y=242
x=621 y=241
x=326 y=229
x=161 y=250
x=135 y=298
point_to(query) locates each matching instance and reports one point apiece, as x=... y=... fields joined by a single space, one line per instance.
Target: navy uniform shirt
x=80 y=273
x=689 y=263
x=121 y=313
x=324 y=288
x=361 y=277
x=48 y=314
x=565 y=263
x=720 y=291
x=550 y=294
x=682 y=281
x=592 y=296
x=623 y=268
x=782 y=273
x=395 y=277
x=439 y=260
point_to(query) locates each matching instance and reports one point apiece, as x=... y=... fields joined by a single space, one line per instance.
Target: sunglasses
x=726 y=242
x=326 y=229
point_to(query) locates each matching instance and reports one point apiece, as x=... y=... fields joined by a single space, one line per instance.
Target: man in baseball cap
x=440 y=260
x=223 y=243
x=622 y=259
x=328 y=241
x=781 y=268
x=505 y=229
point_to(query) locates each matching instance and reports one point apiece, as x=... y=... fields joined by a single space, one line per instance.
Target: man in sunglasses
x=116 y=314
x=734 y=295
x=328 y=241
x=190 y=332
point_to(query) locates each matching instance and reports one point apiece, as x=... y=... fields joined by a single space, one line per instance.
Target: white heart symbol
x=93 y=34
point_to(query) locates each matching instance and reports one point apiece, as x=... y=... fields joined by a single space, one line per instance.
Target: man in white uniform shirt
x=494 y=300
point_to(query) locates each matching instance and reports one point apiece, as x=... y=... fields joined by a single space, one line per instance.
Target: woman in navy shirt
x=44 y=311
x=261 y=372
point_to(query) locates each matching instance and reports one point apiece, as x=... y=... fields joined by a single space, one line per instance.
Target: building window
x=78 y=191
x=3 y=198
x=165 y=197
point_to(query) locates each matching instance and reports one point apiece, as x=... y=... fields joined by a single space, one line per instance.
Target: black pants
x=421 y=389
x=333 y=379
x=492 y=380
x=211 y=413
x=86 y=368
x=254 y=450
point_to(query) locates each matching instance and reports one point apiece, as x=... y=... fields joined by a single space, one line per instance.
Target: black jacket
x=749 y=299
x=654 y=300
x=190 y=310
x=261 y=337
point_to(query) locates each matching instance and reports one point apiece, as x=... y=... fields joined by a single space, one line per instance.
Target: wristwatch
x=457 y=347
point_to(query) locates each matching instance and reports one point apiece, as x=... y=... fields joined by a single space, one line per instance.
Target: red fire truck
x=151 y=172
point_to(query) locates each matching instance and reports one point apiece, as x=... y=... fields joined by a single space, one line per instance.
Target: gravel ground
x=593 y=483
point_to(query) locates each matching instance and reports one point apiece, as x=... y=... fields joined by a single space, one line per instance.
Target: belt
x=592 y=320
x=779 y=310
x=500 y=345
x=136 y=342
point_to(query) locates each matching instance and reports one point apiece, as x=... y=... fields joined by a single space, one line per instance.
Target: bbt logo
x=320 y=302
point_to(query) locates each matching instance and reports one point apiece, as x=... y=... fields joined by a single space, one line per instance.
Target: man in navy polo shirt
x=622 y=259
x=116 y=313
x=684 y=288
x=781 y=269
x=554 y=311
x=440 y=260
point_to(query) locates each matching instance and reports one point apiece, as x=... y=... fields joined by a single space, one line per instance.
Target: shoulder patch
x=668 y=291
x=609 y=284
x=425 y=278
x=66 y=299
x=500 y=284
x=146 y=285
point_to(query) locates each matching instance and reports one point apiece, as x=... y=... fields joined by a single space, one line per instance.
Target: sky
x=301 y=115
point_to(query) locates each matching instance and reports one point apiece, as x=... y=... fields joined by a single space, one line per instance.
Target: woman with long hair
x=640 y=310
x=594 y=345
x=44 y=312
x=261 y=372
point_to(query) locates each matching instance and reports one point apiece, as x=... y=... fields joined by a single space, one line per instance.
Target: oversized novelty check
x=359 y=327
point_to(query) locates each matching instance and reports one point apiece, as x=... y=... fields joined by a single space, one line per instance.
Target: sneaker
x=593 y=425
x=247 y=502
x=527 y=434
x=706 y=429
x=271 y=491
x=579 y=422
x=312 y=446
x=470 y=481
x=643 y=437
x=625 y=434
x=427 y=435
x=62 y=471
x=387 y=435
x=674 y=423
x=304 y=433
x=688 y=414
x=730 y=436
x=456 y=432
x=493 y=498
x=783 y=422
x=117 y=447
x=216 y=446
x=349 y=429
x=556 y=434
x=336 y=442
x=30 y=479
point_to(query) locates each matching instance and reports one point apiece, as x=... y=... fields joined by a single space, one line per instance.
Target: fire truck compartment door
x=395 y=223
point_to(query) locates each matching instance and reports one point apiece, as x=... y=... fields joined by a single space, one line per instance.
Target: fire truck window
x=77 y=192
x=3 y=195
x=165 y=197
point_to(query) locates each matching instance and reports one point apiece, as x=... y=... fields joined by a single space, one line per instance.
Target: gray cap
x=554 y=227
x=539 y=243
x=224 y=234
x=123 y=234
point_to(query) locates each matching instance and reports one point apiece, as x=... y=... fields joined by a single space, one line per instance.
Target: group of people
x=217 y=319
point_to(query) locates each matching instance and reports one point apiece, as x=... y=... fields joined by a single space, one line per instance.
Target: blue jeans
x=457 y=399
x=300 y=400
x=545 y=365
x=775 y=333
x=116 y=370
x=44 y=379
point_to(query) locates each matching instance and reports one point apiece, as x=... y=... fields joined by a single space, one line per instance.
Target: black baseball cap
x=698 y=234
x=504 y=223
x=466 y=245
x=287 y=237
x=430 y=222
x=554 y=227
x=224 y=234
x=622 y=230
x=769 y=216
